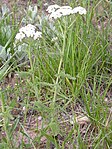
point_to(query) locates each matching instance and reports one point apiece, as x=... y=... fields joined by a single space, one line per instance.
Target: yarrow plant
x=25 y=49
x=28 y=31
x=55 y=11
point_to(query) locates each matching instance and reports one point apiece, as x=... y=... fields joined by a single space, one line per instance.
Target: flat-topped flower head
x=52 y=8
x=28 y=31
x=79 y=10
x=62 y=11
x=57 y=11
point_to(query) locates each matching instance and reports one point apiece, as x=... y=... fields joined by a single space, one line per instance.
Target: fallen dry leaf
x=80 y=119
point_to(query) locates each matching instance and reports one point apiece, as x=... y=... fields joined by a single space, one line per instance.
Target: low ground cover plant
x=55 y=76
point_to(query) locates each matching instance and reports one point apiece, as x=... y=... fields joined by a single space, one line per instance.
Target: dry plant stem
x=5 y=121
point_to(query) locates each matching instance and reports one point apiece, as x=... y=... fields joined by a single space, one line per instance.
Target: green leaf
x=51 y=139
x=41 y=107
x=3 y=145
x=55 y=128
x=62 y=74
x=3 y=71
x=3 y=54
x=24 y=74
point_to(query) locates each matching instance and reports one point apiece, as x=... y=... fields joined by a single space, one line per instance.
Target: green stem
x=59 y=68
x=31 y=63
x=5 y=120
x=32 y=69
x=57 y=79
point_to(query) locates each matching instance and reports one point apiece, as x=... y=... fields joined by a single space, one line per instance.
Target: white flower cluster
x=52 y=8
x=56 y=11
x=28 y=31
x=79 y=10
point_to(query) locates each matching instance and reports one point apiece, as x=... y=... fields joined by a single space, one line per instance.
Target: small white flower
x=28 y=30
x=37 y=35
x=79 y=10
x=52 y=8
x=20 y=36
x=46 y=4
x=30 y=33
x=54 y=39
x=22 y=29
x=24 y=108
x=32 y=9
x=66 y=7
x=32 y=27
x=64 y=11
x=39 y=118
x=55 y=15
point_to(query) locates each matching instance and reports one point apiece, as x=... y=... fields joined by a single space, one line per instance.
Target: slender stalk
x=5 y=120
x=31 y=63
x=59 y=67
x=32 y=68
